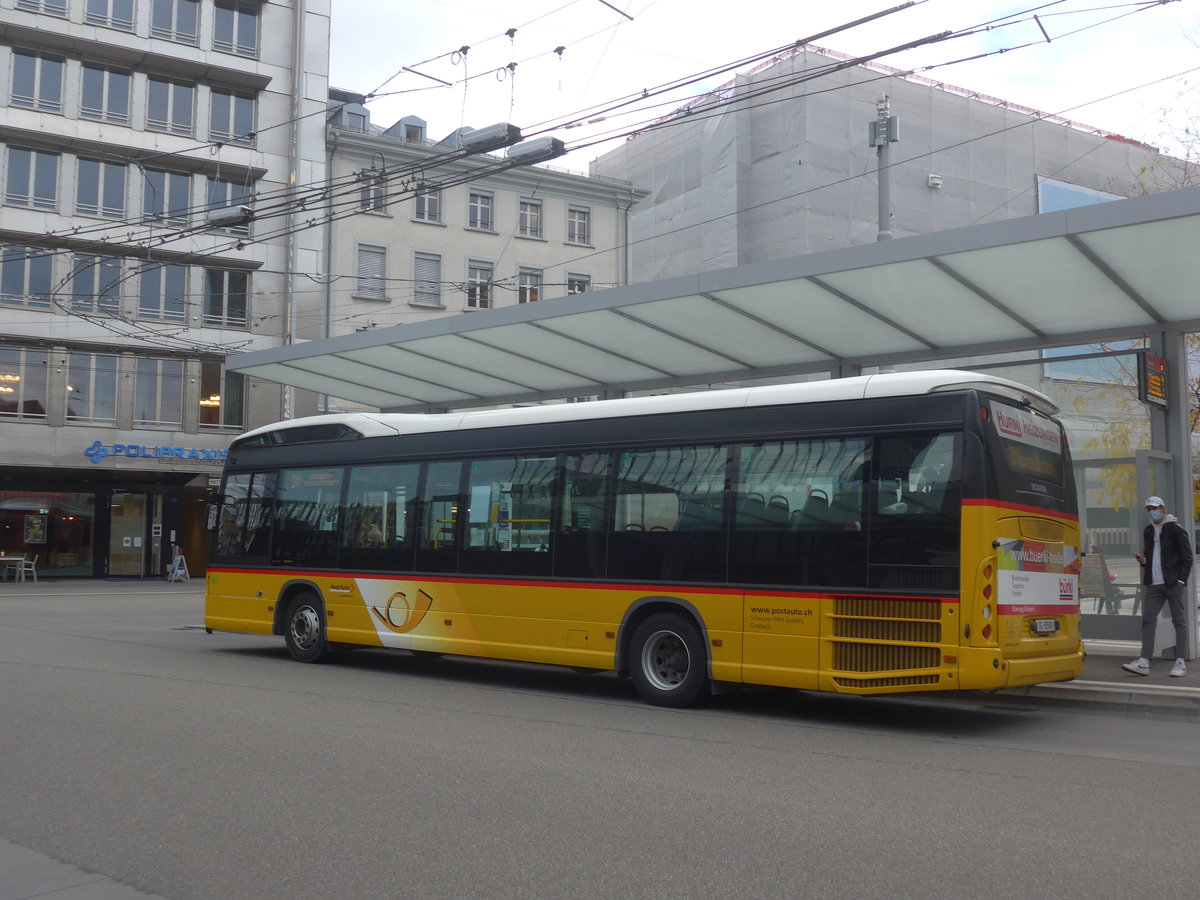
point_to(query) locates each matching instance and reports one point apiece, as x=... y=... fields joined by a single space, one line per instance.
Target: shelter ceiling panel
x=926 y=300
x=725 y=330
x=523 y=368
x=823 y=319
x=637 y=340
x=1158 y=259
x=323 y=384
x=594 y=363
x=347 y=368
x=1050 y=284
x=449 y=374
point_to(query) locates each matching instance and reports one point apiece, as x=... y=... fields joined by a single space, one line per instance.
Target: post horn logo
x=402 y=615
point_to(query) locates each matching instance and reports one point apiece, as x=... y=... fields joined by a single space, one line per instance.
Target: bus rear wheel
x=304 y=628
x=668 y=661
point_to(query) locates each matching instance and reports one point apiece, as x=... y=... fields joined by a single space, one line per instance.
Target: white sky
x=607 y=57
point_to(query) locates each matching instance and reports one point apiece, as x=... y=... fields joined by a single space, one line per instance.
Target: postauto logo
x=98 y=451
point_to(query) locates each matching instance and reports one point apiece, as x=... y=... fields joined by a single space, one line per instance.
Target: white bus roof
x=900 y=384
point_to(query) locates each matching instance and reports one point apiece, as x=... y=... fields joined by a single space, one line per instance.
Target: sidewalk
x=1104 y=682
x=29 y=874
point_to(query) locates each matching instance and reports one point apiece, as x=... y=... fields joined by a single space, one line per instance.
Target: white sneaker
x=1179 y=670
x=1137 y=667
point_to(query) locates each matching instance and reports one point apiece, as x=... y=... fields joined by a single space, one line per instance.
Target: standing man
x=1166 y=561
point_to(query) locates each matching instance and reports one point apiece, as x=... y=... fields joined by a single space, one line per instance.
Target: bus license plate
x=1045 y=626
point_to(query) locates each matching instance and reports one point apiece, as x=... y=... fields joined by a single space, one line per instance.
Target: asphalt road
x=211 y=766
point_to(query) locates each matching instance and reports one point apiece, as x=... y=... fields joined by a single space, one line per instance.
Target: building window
x=479 y=211
x=224 y=195
x=231 y=117
x=22 y=383
x=373 y=193
x=235 y=28
x=100 y=189
x=579 y=225
x=427 y=282
x=32 y=179
x=356 y=121
x=163 y=293
x=222 y=397
x=105 y=94
x=175 y=20
x=158 y=393
x=225 y=296
x=169 y=106
x=429 y=204
x=25 y=277
x=96 y=285
x=49 y=7
x=166 y=196
x=372 y=270
x=37 y=81
x=529 y=285
x=92 y=388
x=110 y=13
x=578 y=284
x=479 y=284
x=530 y=223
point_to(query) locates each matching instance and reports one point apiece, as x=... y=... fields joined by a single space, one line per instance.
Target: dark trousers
x=1156 y=596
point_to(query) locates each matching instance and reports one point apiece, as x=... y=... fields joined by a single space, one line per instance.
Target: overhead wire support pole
x=884 y=131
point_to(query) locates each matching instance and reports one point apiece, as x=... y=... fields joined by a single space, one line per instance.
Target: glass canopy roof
x=1113 y=270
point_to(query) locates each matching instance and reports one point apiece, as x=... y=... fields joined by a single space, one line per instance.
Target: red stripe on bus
x=576 y=585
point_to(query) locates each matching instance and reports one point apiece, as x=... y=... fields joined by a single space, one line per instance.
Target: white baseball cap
x=1154 y=501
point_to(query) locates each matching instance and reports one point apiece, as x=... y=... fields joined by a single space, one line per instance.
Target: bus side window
x=668 y=516
x=581 y=539
x=379 y=517
x=799 y=515
x=231 y=521
x=441 y=500
x=915 y=527
x=507 y=528
x=307 y=517
x=246 y=516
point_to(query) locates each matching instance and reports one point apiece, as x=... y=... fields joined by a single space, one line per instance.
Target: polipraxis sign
x=100 y=451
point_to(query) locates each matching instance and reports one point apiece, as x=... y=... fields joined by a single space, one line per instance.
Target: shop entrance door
x=127 y=534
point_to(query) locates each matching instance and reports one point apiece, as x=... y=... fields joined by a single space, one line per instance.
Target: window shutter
x=371 y=261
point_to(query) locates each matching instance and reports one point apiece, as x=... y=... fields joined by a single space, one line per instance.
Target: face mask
x=1156 y=515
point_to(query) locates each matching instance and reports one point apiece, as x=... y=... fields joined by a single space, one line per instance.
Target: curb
x=1177 y=701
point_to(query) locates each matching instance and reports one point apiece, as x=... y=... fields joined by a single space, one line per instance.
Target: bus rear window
x=1030 y=456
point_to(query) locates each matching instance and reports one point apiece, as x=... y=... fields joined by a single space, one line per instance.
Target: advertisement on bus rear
x=1035 y=578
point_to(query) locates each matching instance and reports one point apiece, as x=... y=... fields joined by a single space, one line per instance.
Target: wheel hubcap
x=665 y=660
x=306 y=627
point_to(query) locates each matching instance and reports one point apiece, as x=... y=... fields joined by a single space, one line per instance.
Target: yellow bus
x=879 y=534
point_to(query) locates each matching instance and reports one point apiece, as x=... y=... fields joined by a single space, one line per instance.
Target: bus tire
x=668 y=663
x=304 y=628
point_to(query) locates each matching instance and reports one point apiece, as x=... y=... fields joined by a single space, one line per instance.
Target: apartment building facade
x=149 y=153
x=424 y=229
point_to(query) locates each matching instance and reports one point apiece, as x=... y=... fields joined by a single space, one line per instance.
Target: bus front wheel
x=668 y=661
x=304 y=629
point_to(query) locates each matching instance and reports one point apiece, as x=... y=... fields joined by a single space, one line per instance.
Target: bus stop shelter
x=1113 y=271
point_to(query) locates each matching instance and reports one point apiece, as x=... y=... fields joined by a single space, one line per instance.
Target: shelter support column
x=1171 y=431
